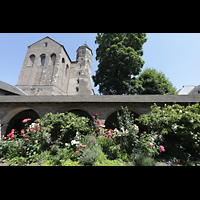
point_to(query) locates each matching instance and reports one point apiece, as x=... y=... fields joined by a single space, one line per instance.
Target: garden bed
x=65 y=139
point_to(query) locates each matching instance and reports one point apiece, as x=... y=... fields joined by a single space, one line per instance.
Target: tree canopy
x=150 y=81
x=120 y=66
x=119 y=56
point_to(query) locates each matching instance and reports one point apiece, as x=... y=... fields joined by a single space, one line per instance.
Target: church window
x=45 y=44
x=67 y=66
x=63 y=60
x=32 y=59
x=77 y=89
x=43 y=59
x=53 y=59
x=77 y=81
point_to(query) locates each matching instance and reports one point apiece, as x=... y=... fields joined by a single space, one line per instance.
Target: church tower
x=81 y=73
x=48 y=70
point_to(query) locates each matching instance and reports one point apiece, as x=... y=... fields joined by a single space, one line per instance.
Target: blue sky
x=177 y=55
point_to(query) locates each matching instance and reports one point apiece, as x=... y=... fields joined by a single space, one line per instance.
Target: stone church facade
x=48 y=70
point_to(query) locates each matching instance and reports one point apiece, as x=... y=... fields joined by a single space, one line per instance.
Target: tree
x=150 y=81
x=119 y=56
x=154 y=82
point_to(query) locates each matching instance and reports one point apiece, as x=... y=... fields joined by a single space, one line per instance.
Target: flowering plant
x=27 y=143
x=64 y=126
x=178 y=125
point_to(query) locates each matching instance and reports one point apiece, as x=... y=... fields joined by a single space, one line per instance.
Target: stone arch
x=112 y=119
x=13 y=119
x=80 y=112
x=53 y=59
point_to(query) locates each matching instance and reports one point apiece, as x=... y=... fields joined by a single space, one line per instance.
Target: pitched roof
x=186 y=90
x=12 y=89
x=196 y=90
x=85 y=45
x=45 y=38
x=55 y=42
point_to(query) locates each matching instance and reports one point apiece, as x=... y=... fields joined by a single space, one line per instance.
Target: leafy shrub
x=177 y=124
x=90 y=155
x=66 y=139
x=64 y=126
x=132 y=140
x=26 y=144
x=142 y=160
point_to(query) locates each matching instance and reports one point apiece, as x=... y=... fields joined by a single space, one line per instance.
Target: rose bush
x=59 y=137
x=27 y=144
x=178 y=125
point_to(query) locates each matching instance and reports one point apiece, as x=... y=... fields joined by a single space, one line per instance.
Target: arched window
x=42 y=59
x=63 y=60
x=53 y=59
x=32 y=59
x=67 y=66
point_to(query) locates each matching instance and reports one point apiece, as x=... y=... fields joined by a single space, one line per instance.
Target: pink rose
x=150 y=144
x=84 y=146
x=26 y=120
x=80 y=145
x=162 y=148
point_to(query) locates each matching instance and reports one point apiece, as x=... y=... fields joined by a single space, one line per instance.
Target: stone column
x=3 y=128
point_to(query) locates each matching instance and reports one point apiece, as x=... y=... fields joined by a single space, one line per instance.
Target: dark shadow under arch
x=16 y=121
x=80 y=113
x=112 y=122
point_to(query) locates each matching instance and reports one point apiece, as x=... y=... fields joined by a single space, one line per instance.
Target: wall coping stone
x=102 y=98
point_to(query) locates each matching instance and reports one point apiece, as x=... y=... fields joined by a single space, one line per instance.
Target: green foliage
x=134 y=141
x=119 y=56
x=90 y=155
x=26 y=144
x=177 y=124
x=63 y=126
x=109 y=146
x=66 y=139
x=142 y=160
x=150 y=81
x=107 y=162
